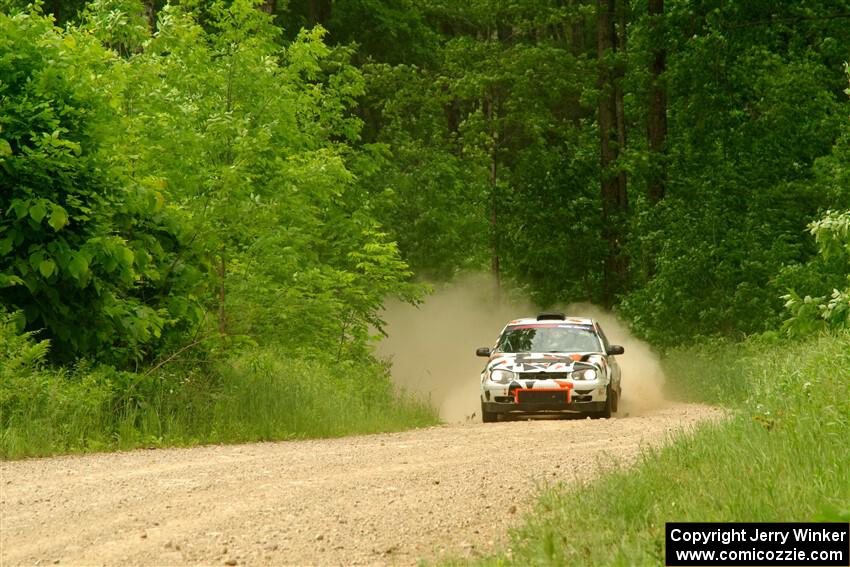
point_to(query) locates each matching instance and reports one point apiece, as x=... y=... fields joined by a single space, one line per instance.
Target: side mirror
x=483 y=351
x=616 y=349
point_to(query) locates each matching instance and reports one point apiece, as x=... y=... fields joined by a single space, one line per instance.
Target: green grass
x=261 y=395
x=784 y=455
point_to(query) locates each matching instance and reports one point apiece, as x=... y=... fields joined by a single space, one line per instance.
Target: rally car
x=550 y=364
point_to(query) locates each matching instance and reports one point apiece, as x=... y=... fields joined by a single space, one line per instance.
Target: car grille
x=544 y=375
x=542 y=396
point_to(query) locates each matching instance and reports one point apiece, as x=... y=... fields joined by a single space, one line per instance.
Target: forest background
x=205 y=205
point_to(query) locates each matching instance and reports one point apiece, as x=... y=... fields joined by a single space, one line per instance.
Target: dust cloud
x=432 y=347
x=642 y=375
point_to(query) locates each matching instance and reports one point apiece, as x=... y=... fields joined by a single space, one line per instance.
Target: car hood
x=543 y=362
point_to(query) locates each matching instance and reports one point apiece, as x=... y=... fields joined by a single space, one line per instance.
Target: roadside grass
x=784 y=455
x=261 y=395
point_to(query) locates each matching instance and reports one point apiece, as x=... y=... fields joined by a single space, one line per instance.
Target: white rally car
x=548 y=364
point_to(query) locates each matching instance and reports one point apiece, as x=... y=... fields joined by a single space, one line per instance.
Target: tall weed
x=263 y=394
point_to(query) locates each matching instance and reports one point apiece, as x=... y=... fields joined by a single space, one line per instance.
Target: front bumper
x=585 y=396
x=536 y=407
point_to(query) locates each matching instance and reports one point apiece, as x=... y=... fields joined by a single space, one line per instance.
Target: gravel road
x=369 y=500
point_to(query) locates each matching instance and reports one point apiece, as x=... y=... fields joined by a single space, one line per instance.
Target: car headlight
x=589 y=374
x=502 y=376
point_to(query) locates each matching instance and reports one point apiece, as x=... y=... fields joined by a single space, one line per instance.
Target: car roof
x=565 y=320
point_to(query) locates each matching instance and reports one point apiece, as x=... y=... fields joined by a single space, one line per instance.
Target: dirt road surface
x=370 y=500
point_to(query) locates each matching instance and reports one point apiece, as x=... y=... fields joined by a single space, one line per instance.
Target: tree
x=615 y=200
x=752 y=108
x=86 y=256
x=657 y=117
x=255 y=140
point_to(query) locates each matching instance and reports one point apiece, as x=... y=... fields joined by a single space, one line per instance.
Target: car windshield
x=549 y=338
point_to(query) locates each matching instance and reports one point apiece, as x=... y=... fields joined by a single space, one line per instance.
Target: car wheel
x=488 y=416
x=615 y=403
x=605 y=412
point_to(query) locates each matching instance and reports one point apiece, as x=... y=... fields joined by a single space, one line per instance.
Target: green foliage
x=753 y=113
x=253 y=141
x=267 y=396
x=169 y=174
x=790 y=419
x=461 y=132
x=212 y=137
x=832 y=234
x=118 y=24
x=391 y=31
x=83 y=255
x=162 y=187
x=809 y=314
x=429 y=193
x=493 y=141
x=754 y=109
x=39 y=405
x=259 y=395
x=487 y=156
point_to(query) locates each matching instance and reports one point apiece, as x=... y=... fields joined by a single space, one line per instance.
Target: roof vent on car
x=551 y=316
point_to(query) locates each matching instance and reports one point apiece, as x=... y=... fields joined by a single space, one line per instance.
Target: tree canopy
x=274 y=171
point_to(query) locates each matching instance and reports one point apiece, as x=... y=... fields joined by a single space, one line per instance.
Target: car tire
x=606 y=411
x=488 y=416
x=615 y=403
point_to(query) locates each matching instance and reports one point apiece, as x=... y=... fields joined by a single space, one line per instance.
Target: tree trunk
x=495 y=264
x=269 y=7
x=577 y=37
x=318 y=12
x=657 y=120
x=575 y=42
x=222 y=313
x=612 y=140
x=150 y=14
x=619 y=74
x=453 y=116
